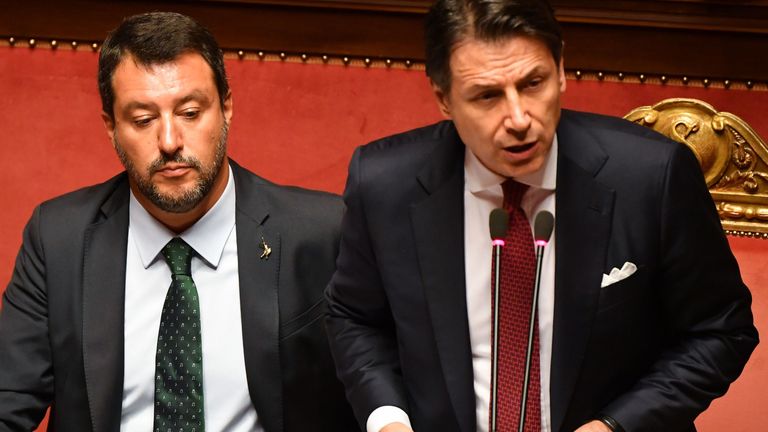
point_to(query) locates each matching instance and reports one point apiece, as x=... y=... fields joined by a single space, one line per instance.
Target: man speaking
x=642 y=318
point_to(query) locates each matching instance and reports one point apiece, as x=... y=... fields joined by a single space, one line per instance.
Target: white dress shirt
x=227 y=402
x=482 y=194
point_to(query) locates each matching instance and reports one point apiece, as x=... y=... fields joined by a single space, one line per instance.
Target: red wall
x=298 y=124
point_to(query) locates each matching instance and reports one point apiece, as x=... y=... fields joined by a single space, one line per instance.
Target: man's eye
x=142 y=122
x=534 y=83
x=191 y=114
x=488 y=95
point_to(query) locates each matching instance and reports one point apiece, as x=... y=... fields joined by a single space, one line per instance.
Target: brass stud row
x=748 y=234
x=325 y=58
x=53 y=43
x=389 y=62
x=666 y=79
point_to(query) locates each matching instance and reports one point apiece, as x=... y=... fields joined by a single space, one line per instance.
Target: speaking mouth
x=520 y=149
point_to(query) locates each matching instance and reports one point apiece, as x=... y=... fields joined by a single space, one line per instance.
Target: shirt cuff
x=385 y=415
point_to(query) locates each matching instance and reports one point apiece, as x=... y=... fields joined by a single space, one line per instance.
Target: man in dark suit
x=89 y=324
x=642 y=318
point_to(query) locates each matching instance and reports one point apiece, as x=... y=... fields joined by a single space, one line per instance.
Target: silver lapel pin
x=265 y=249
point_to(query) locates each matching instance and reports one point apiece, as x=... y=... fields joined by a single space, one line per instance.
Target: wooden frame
x=693 y=38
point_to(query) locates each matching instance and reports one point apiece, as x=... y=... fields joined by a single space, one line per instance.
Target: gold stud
x=74 y=44
x=578 y=74
x=325 y=58
x=94 y=46
x=408 y=63
x=727 y=84
x=663 y=79
x=283 y=56
x=685 y=80
x=367 y=61
x=388 y=62
x=54 y=44
x=260 y=54
x=345 y=59
x=706 y=82
x=642 y=78
x=241 y=53
x=621 y=76
x=750 y=84
x=600 y=76
x=304 y=57
x=32 y=43
x=12 y=40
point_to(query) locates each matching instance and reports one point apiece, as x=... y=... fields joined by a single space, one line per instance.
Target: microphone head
x=498 y=222
x=542 y=227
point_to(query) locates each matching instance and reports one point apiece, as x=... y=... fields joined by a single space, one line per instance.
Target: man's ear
x=226 y=107
x=443 y=101
x=561 y=73
x=109 y=124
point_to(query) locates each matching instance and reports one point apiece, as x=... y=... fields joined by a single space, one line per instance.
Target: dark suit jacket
x=651 y=351
x=61 y=326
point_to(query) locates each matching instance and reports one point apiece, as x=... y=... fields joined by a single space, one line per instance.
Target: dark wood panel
x=666 y=51
x=697 y=38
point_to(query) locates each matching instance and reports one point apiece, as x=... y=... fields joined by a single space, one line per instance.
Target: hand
x=593 y=426
x=396 y=427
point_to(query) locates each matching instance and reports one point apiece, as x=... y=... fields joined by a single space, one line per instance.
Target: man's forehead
x=520 y=54
x=184 y=75
x=130 y=62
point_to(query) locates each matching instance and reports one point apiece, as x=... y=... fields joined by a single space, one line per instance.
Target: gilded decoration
x=733 y=157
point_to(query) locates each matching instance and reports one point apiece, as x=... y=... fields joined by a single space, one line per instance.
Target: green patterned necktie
x=179 y=365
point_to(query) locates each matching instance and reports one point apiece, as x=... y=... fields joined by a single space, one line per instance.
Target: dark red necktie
x=518 y=268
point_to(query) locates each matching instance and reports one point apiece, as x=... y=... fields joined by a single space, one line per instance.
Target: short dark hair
x=449 y=21
x=156 y=38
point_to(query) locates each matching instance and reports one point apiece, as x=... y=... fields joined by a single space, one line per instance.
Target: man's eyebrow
x=194 y=96
x=537 y=70
x=136 y=105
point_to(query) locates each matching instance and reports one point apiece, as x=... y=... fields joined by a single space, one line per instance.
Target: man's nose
x=517 y=120
x=169 y=136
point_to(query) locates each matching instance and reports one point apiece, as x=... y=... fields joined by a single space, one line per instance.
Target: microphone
x=542 y=231
x=498 y=222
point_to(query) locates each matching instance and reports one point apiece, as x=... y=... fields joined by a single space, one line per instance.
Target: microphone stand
x=531 y=328
x=497 y=245
x=498 y=222
x=543 y=226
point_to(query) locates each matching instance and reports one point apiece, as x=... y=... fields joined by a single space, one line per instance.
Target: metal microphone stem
x=531 y=328
x=494 y=356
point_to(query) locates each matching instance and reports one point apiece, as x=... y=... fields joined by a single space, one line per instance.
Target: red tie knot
x=513 y=194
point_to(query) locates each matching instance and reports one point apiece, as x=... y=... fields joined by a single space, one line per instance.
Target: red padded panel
x=743 y=408
x=298 y=124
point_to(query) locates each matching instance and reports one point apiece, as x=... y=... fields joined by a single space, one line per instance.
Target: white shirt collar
x=480 y=178
x=207 y=236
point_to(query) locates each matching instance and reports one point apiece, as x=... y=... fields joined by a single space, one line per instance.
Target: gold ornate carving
x=733 y=158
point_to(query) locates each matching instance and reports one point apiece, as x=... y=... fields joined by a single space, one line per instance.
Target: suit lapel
x=104 y=255
x=259 y=300
x=438 y=225
x=584 y=210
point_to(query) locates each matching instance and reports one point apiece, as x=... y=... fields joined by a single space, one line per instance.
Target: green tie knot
x=178 y=256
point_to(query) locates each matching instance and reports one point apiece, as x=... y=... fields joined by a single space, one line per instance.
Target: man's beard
x=187 y=199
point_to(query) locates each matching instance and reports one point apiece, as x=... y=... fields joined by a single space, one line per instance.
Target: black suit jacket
x=651 y=351
x=61 y=326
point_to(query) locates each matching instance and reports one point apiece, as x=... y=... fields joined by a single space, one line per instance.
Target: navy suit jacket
x=61 y=326
x=652 y=351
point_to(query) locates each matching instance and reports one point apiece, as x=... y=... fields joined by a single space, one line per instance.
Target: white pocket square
x=617 y=275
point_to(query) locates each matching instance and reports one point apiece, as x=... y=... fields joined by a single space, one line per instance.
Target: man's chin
x=176 y=201
x=522 y=169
